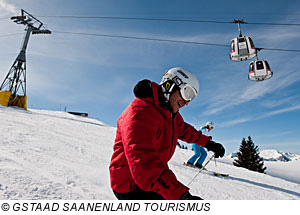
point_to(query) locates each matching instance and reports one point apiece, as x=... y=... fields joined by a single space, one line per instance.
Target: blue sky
x=97 y=74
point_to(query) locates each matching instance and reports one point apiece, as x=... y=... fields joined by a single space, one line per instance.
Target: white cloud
x=234 y=122
x=274 y=135
x=283 y=110
x=272 y=113
x=8 y=7
x=272 y=103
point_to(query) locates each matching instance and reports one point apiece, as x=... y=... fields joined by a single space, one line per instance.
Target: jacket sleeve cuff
x=169 y=187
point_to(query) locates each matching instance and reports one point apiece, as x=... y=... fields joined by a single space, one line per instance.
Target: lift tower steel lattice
x=15 y=80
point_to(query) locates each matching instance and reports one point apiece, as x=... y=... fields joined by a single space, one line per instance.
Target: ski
x=217 y=174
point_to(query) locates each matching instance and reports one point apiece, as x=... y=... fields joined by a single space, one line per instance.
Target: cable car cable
x=8 y=35
x=269 y=23
x=285 y=50
x=155 y=39
x=140 y=38
x=4 y=18
x=136 y=18
x=166 y=19
x=165 y=40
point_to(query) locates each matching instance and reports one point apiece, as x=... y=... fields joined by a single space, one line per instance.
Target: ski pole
x=201 y=169
x=215 y=161
x=213 y=156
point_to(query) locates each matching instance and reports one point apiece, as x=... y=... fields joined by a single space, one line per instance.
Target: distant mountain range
x=274 y=155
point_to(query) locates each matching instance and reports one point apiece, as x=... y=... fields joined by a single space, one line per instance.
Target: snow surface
x=55 y=155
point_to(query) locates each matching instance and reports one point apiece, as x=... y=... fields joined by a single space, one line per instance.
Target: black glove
x=217 y=148
x=188 y=196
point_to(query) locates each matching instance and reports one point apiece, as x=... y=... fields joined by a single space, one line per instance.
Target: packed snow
x=46 y=155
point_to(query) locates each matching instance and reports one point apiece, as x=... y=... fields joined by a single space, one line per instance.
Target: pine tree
x=248 y=157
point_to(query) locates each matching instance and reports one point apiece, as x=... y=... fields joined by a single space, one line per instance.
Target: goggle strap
x=171 y=88
x=168 y=86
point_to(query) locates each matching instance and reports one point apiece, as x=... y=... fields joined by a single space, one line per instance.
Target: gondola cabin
x=242 y=48
x=259 y=70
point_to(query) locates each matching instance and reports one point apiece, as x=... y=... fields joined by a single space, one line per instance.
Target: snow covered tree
x=248 y=157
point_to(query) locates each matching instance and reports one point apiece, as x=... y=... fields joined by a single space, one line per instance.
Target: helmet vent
x=183 y=74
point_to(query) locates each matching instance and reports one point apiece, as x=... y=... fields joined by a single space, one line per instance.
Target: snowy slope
x=279 y=164
x=242 y=183
x=55 y=155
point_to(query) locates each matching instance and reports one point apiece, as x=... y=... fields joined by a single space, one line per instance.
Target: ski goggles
x=187 y=92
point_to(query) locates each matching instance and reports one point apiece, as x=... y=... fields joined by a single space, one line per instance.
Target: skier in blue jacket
x=200 y=152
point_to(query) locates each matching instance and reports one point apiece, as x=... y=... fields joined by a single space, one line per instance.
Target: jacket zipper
x=172 y=143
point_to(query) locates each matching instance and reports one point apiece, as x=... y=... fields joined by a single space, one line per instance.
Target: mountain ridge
x=274 y=155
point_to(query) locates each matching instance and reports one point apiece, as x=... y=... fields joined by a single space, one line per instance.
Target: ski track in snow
x=241 y=184
x=55 y=155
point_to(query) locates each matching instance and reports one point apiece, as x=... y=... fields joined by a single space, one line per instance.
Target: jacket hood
x=143 y=89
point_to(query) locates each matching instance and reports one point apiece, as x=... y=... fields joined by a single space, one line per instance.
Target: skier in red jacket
x=146 y=138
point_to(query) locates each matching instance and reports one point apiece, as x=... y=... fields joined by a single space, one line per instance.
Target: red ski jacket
x=145 y=141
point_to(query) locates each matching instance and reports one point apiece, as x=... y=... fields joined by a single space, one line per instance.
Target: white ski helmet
x=210 y=125
x=186 y=81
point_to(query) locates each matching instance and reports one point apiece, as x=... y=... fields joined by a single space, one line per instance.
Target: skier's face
x=177 y=102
